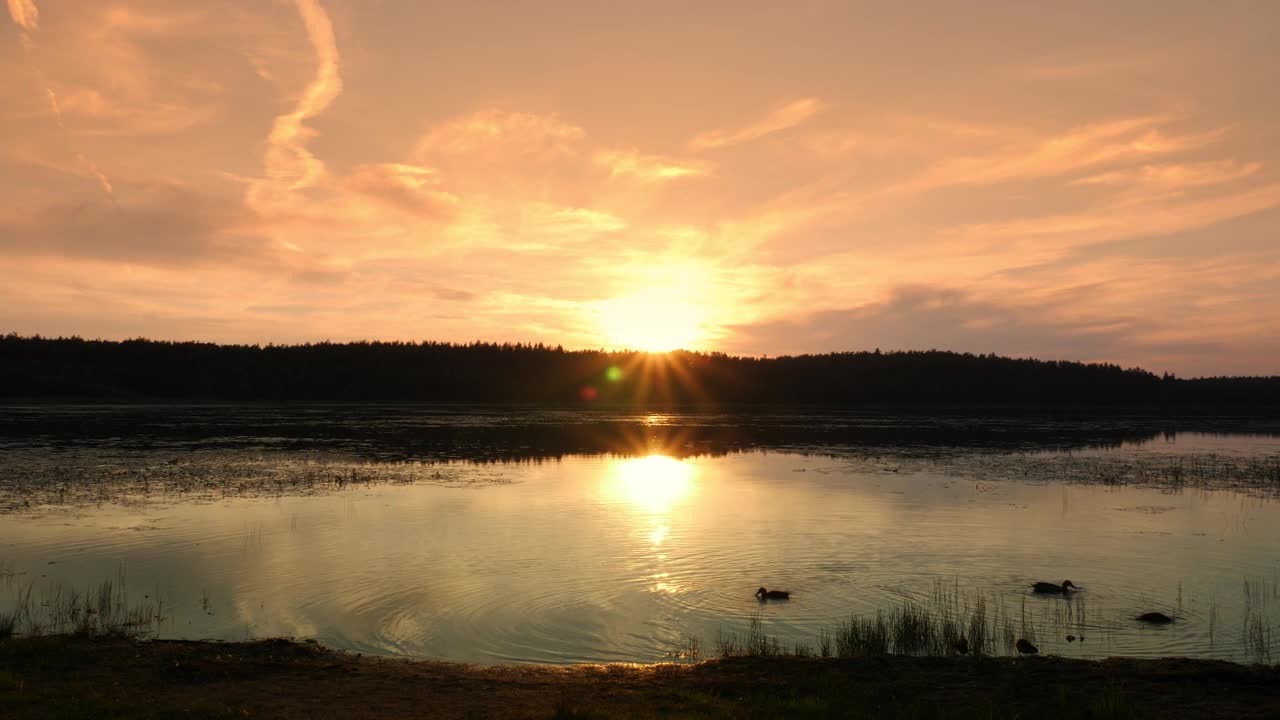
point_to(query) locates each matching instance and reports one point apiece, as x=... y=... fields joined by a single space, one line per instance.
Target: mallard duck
x=1047 y=588
x=1157 y=618
x=1024 y=647
x=764 y=594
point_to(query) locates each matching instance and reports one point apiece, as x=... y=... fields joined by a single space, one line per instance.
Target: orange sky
x=1095 y=182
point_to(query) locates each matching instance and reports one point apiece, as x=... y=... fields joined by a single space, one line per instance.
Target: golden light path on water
x=653 y=487
x=654 y=484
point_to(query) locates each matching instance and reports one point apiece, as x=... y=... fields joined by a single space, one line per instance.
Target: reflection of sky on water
x=597 y=558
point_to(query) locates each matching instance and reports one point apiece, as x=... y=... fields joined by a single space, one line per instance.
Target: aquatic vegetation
x=912 y=629
x=1254 y=473
x=1262 y=606
x=33 y=481
x=689 y=649
x=956 y=622
x=102 y=609
x=825 y=640
x=754 y=642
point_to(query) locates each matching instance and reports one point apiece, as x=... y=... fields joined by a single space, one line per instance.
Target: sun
x=653 y=320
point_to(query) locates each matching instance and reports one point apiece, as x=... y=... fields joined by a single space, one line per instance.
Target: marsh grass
x=1261 y=605
x=753 y=643
x=955 y=624
x=951 y=622
x=688 y=650
x=32 y=482
x=1213 y=621
x=102 y=609
x=1201 y=471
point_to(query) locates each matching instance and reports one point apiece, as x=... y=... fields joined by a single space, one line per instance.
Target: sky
x=1090 y=181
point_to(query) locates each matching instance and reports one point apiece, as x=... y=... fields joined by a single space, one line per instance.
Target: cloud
x=1079 y=148
x=410 y=188
x=569 y=222
x=93 y=170
x=646 y=168
x=787 y=116
x=25 y=14
x=490 y=131
x=287 y=158
x=162 y=225
x=923 y=318
x=1050 y=235
x=99 y=113
x=1176 y=175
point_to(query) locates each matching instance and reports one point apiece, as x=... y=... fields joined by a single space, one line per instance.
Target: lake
x=497 y=536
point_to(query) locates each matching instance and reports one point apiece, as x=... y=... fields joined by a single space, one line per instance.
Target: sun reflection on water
x=655 y=483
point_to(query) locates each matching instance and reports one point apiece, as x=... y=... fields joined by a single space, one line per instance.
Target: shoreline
x=89 y=677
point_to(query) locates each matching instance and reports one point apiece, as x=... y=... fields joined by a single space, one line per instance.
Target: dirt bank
x=117 y=678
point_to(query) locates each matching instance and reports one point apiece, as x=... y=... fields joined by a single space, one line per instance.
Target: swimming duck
x=1047 y=588
x=1024 y=647
x=764 y=594
x=1157 y=618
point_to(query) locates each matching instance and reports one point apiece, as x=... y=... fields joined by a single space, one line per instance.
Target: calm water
x=564 y=557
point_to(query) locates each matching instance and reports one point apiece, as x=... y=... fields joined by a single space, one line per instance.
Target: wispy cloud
x=25 y=14
x=1175 y=175
x=287 y=158
x=646 y=168
x=787 y=116
x=1042 y=238
x=408 y=187
x=159 y=224
x=98 y=175
x=1077 y=149
x=487 y=130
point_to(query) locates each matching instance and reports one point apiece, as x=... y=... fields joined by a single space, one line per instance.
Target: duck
x=1156 y=618
x=1046 y=588
x=764 y=594
x=1024 y=647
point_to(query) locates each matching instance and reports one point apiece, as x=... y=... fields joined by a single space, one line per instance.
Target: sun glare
x=655 y=483
x=654 y=320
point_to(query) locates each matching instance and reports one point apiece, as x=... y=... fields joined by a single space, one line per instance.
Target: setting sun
x=653 y=320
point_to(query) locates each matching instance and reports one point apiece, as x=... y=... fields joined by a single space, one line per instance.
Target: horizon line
x=560 y=347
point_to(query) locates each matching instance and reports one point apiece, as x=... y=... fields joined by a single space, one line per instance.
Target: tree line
x=74 y=368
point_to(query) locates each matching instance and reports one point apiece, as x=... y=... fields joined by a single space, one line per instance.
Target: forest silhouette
x=74 y=368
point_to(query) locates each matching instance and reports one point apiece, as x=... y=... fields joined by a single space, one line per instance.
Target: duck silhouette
x=1157 y=618
x=764 y=594
x=1048 y=588
x=1024 y=647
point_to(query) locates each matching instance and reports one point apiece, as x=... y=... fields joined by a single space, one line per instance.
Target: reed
x=101 y=610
